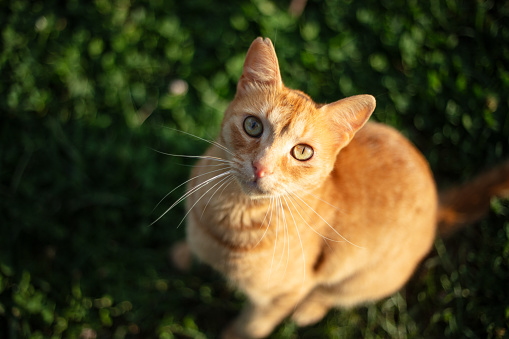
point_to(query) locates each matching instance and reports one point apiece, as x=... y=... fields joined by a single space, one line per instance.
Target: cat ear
x=261 y=65
x=350 y=114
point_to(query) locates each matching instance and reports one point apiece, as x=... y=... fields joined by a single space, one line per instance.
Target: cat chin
x=262 y=197
x=254 y=192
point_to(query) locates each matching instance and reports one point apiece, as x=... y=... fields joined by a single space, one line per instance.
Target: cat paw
x=231 y=332
x=238 y=330
x=180 y=255
x=309 y=313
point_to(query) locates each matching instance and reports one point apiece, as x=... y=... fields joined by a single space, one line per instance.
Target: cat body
x=387 y=229
x=305 y=207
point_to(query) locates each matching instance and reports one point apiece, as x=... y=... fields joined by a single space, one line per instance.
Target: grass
x=88 y=88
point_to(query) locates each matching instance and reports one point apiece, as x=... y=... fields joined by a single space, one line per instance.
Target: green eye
x=302 y=152
x=253 y=126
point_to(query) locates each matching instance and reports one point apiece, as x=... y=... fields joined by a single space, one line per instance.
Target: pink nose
x=260 y=170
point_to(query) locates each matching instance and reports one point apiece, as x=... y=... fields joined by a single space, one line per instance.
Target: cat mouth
x=253 y=189
x=254 y=186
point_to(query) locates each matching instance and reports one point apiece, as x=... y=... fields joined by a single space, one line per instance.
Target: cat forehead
x=288 y=110
x=293 y=112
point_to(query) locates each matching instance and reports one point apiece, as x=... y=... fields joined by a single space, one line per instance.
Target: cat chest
x=270 y=261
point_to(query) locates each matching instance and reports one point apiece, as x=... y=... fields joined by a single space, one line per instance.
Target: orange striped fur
x=347 y=226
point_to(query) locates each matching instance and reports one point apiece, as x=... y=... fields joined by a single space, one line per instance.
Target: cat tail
x=469 y=202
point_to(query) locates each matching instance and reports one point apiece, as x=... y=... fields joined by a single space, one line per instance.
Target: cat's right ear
x=348 y=115
x=261 y=66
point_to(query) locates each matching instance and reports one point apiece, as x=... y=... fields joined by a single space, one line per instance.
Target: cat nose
x=260 y=170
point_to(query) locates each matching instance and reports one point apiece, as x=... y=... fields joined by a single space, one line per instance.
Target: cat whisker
x=194 y=156
x=335 y=207
x=348 y=241
x=275 y=241
x=266 y=213
x=237 y=163
x=292 y=200
x=215 y=143
x=215 y=165
x=300 y=241
x=225 y=181
x=279 y=207
x=228 y=184
x=185 y=182
x=287 y=236
x=198 y=200
x=268 y=224
x=191 y=191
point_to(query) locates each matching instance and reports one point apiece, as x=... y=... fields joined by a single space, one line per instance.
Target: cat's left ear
x=348 y=115
x=261 y=66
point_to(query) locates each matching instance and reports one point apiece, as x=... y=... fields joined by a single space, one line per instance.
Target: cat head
x=283 y=141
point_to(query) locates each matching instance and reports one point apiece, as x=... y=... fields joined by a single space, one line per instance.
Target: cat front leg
x=258 y=321
x=314 y=307
x=180 y=255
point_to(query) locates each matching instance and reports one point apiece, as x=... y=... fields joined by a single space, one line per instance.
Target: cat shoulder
x=378 y=143
x=376 y=133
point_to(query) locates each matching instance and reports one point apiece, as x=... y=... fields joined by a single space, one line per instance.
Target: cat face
x=282 y=141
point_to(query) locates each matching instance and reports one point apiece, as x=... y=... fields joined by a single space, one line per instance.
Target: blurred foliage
x=88 y=88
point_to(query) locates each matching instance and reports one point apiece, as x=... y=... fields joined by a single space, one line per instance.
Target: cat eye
x=302 y=152
x=253 y=126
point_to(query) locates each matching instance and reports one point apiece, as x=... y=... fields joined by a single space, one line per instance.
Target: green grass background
x=86 y=94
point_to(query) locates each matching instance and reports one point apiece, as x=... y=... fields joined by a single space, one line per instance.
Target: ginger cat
x=305 y=207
